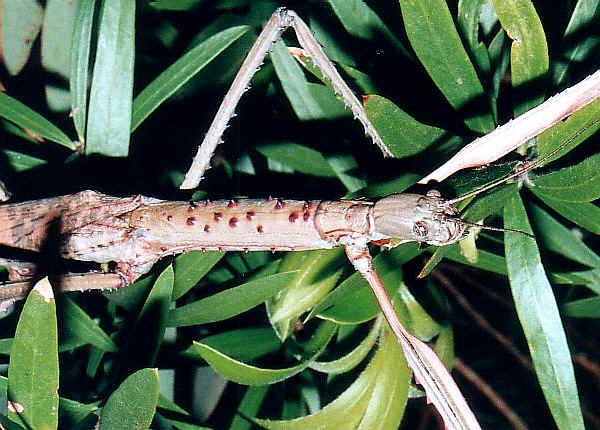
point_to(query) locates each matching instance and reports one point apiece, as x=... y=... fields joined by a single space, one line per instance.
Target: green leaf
x=21 y=162
x=298 y=157
x=33 y=368
x=231 y=302
x=80 y=60
x=352 y=302
x=556 y=237
x=577 y=183
x=8 y=424
x=133 y=296
x=180 y=72
x=444 y=346
x=109 y=119
x=15 y=111
x=586 y=215
x=132 y=404
x=469 y=13
x=390 y=394
x=6 y=345
x=72 y=413
x=179 y=5
x=246 y=374
x=361 y=21
x=529 y=51
x=249 y=407
x=434 y=38
x=244 y=344
x=59 y=20
x=191 y=267
x=76 y=328
x=353 y=358
x=376 y=399
x=577 y=128
x=583 y=308
x=422 y=325
x=318 y=272
x=294 y=85
x=149 y=328
x=21 y=23
x=486 y=260
x=576 y=50
x=540 y=319
x=404 y=135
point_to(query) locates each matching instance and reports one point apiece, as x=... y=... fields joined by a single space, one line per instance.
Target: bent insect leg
x=281 y=20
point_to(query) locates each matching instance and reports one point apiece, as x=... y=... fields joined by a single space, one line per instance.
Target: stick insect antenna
x=527 y=166
x=487 y=227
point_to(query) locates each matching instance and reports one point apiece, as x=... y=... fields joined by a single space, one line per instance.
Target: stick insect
x=137 y=231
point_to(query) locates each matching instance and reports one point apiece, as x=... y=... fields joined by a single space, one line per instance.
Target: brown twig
x=589 y=365
x=481 y=321
x=489 y=392
x=459 y=270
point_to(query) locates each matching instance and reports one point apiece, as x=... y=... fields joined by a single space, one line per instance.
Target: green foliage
x=141 y=88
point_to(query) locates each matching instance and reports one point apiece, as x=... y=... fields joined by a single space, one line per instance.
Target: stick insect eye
x=420 y=229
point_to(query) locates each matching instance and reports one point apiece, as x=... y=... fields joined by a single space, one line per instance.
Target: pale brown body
x=137 y=231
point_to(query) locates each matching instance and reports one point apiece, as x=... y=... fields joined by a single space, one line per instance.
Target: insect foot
x=414 y=217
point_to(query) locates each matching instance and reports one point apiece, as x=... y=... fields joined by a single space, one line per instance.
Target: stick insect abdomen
x=250 y=225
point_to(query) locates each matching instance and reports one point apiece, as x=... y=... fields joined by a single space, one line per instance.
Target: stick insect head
x=414 y=217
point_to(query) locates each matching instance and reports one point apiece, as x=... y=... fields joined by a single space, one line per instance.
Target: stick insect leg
x=13 y=291
x=281 y=19
x=430 y=372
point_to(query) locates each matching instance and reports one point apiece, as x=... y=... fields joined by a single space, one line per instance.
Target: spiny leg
x=430 y=372
x=281 y=19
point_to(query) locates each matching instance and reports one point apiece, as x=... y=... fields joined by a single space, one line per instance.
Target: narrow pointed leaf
x=576 y=50
x=584 y=214
x=15 y=111
x=191 y=267
x=361 y=21
x=33 y=368
x=540 y=319
x=80 y=63
x=354 y=357
x=529 y=58
x=21 y=162
x=404 y=135
x=249 y=407
x=431 y=31
x=180 y=72
x=583 y=308
x=133 y=403
x=231 y=302
x=247 y=374
x=57 y=32
x=244 y=344
x=300 y=158
x=295 y=85
x=21 y=23
x=149 y=329
x=77 y=328
x=578 y=183
x=112 y=82
x=556 y=237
